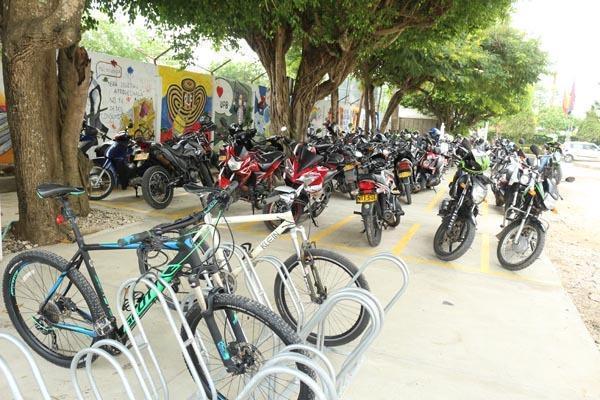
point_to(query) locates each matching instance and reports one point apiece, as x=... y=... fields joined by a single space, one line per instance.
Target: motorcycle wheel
x=155 y=187
x=373 y=223
x=327 y=190
x=533 y=238
x=463 y=230
x=102 y=183
x=499 y=198
x=407 y=192
x=281 y=206
x=396 y=220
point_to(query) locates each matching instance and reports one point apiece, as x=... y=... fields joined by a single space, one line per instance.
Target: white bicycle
x=309 y=275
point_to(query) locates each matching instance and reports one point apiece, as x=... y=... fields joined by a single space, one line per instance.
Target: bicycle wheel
x=266 y=334
x=28 y=279
x=335 y=272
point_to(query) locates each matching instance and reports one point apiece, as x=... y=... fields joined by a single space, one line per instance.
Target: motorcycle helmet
x=121 y=137
x=434 y=133
x=380 y=138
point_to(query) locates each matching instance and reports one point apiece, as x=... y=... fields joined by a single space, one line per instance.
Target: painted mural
x=122 y=92
x=262 y=109
x=6 y=153
x=233 y=103
x=185 y=98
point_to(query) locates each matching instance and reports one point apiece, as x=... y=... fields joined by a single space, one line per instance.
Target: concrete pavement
x=464 y=330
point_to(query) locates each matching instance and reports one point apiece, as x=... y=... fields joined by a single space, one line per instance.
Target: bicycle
x=66 y=303
x=316 y=272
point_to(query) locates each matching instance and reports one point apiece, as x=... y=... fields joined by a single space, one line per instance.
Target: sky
x=570 y=32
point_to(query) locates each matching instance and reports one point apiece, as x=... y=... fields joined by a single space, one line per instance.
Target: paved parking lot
x=464 y=330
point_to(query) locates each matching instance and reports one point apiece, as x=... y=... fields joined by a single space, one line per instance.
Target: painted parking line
x=436 y=199
x=323 y=233
x=485 y=240
x=404 y=240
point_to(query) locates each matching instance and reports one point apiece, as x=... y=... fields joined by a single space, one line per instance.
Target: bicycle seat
x=46 y=190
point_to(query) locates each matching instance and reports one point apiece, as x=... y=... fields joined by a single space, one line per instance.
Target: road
x=464 y=330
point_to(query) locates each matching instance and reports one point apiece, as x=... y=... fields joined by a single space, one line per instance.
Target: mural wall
x=185 y=97
x=262 y=109
x=6 y=153
x=121 y=92
x=233 y=103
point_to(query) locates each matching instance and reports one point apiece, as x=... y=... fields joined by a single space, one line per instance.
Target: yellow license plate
x=405 y=174
x=141 y=156
x=349 y=167
x=222 y=158
x=366 y=198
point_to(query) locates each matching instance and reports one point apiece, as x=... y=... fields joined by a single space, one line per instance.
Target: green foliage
x=481 y=75
x=589 y=129
x=520 y=125
x=243 y=71
x=118 y=39
x=552 y=120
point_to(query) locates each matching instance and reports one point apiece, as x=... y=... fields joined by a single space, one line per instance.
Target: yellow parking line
x=331 y=229
x=403 y=242
x=436 y=199
x=354 y=250
x=485 y=241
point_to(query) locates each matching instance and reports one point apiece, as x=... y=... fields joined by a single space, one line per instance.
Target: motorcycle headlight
x=524 y=180
x=234 y=164
x=478 y=193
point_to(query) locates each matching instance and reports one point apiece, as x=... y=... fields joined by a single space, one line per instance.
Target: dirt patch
x=96 y=221
x=573 y=243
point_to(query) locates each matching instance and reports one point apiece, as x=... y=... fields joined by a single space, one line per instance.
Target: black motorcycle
x=178 y=162
x=468 y=189
x=521 y=242
x=380 y=208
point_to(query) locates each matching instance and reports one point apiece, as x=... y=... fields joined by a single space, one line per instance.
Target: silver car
x=581 y=151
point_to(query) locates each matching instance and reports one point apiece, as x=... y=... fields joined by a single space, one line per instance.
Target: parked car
x=581 y=151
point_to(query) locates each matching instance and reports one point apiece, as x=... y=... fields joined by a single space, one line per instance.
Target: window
x=590 y=146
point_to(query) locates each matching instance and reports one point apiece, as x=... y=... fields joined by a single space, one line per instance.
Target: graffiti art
x=185 y=103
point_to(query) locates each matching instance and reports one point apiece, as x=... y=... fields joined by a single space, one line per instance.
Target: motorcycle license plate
x=348 y=167
x=141 y=157
x=366 y=198
x=222 y=158
x=405 y=174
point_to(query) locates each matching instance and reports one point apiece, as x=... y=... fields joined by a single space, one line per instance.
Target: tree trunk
x=372 y=105
x=335 y=99
x=74 y=73
x=30 y=83
x=391 y=108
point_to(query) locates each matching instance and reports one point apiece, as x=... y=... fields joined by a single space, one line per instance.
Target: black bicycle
x=58 y=312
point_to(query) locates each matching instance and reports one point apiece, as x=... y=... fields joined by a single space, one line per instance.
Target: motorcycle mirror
x=521 y=141
x=467 y=144
x=570 y=179
x=535 y=150
x=130 y=125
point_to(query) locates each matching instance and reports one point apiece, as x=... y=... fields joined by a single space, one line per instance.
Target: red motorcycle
x=251 y=165
x=429 y=167
x=308 y=186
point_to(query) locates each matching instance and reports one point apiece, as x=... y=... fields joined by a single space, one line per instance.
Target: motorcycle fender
x=367 y=209
x=284 y=189
x=532 y=221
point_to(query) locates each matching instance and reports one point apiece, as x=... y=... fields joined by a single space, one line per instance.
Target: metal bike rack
x=97 y=349
x=323 y=387
x=10 y=378
x=398 y=262
x=141 y=342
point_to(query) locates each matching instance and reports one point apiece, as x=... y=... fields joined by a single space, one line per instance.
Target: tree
x=552 y=120
x=118 y=39
x=331 y=35
x=243 y=71
x=491 y=75
x=46 y=96
x=589 y=129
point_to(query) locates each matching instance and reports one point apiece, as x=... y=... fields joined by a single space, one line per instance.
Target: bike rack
x=12 y=382
x=141 y=343
x=298 y=354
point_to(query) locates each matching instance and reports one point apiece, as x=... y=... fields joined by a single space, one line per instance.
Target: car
x=581 y=151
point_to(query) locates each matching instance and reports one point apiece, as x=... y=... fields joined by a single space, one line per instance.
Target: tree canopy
x=331 y=34
x=489 y=75
x=589 y=129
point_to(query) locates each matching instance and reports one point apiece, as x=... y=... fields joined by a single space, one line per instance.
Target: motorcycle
x=468 y=189
x=121 y=160
x=182 y=160
x=254 y=166
x=404 y=170
x=429 y=167
x=308 y=187
x=521 y=242
x=380 y=208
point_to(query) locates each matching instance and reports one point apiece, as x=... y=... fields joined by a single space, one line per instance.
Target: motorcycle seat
x=46 y=190
x=268 y=159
